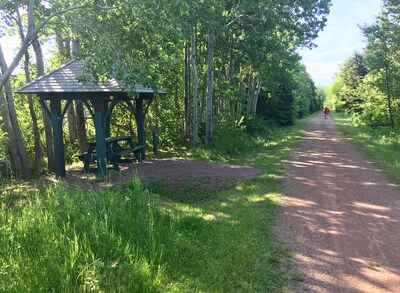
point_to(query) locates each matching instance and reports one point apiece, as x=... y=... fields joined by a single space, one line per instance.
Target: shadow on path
x=340 y=216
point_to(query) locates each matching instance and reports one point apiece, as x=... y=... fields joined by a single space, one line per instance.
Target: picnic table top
x=113 y=139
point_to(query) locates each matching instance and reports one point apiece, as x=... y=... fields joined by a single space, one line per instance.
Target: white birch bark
x=210 y=88
x=195 y=89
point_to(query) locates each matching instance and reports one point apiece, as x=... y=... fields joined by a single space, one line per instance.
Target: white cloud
x=323 y=72
x=340 y=39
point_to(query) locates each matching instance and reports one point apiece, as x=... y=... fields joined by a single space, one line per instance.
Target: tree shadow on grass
x=225 y=240
x=189 y=190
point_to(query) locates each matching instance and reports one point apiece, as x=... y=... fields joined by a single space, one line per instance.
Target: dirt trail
x=340 y=216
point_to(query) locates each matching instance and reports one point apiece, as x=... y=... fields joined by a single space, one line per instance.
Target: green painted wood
x=107 y=118
x=99 y=115
x=44 y=106
x=56 y=121
x=140 y=126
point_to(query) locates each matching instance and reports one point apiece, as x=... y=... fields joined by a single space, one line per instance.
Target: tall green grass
x=135 y=239
x=66 y=240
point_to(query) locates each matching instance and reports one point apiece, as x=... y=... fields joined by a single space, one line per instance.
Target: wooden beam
x=99 y=115
x=56 y=121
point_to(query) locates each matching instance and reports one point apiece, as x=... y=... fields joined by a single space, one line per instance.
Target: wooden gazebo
x=100 y=99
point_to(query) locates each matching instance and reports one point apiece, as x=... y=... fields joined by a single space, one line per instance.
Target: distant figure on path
x=326 y=112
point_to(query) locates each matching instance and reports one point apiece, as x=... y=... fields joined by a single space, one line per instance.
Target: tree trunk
x=46 y=119
x=79 y=109
x=239 y=102
x=257 y=88
x=75 y=46
x=81 y=127
x=210 y=88
x=11 y=143
x=64 y=48
x=186 y=93
x=72 y=125
x=254 y=84
x=38 y=148
x=15 y=131
x=31 y=34
x=195 y=90
x=388 y=94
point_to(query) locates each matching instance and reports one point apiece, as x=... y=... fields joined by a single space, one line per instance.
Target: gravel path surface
x=172 y=170
x=340 y=216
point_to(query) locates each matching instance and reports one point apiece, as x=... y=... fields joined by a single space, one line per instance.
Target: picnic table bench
x=116 y=148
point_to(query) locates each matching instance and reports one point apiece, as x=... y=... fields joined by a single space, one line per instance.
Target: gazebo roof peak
x=65 y=79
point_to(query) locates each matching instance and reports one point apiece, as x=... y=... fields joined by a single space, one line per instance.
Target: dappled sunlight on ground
x=172 y=170
x=341 y=216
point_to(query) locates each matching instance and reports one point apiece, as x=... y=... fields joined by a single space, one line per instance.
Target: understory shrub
x=232 y=140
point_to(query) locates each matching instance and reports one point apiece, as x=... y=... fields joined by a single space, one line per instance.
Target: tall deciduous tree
x=383 y=53
x=131 y=39
x=33 y=27
x=16 y=147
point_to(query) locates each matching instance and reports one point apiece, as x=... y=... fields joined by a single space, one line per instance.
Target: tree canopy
x=215 y=58
x=368 y=84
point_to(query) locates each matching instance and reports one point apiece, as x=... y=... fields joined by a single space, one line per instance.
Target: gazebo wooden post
x=99 y=115
x=107 y=128
x=140 y=125
x=57 y=123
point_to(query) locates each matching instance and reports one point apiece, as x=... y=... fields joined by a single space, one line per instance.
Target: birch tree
x=16 y=147
x=31 y=32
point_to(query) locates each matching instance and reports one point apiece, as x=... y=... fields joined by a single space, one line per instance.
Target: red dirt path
x=340 y=216
x=171 y=170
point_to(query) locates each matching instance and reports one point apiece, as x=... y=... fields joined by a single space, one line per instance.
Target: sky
x=340 y=38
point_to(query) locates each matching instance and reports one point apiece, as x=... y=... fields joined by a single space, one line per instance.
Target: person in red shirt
x=326 y=112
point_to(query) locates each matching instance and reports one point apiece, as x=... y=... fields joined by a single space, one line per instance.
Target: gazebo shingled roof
x=65 y=80
x=63 y=84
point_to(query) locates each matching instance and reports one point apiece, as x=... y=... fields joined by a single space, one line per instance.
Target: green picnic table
x=116 y=149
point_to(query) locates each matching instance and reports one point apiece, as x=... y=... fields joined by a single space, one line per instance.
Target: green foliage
x=293 y=96
x=257 y=126
x=230 y=140
x=318 y=98
x=368 y=85
x=141 y=43
x=304 y=93
x=375 y=112
x=347 y=87
x=278 y=106
x=5 y=169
